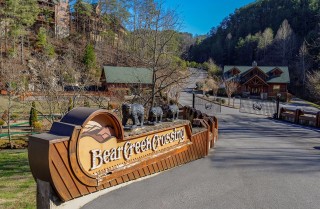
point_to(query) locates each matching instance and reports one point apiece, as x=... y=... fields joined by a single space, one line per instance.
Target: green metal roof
x=131 y=75
x=283 y=78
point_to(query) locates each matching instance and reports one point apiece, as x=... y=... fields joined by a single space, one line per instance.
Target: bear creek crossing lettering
x=100 y=157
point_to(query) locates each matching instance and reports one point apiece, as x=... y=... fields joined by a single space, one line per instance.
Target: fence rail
x=206 y=105
x=258 y=107
x=298 y=116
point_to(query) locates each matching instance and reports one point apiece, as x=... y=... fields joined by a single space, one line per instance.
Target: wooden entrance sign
x=88 y=151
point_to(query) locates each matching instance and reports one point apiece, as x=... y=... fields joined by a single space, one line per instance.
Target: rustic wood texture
x=68 y=186
x=298 y=116
x=70 y=182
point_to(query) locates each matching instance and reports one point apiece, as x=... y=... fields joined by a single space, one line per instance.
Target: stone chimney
x=254 y=64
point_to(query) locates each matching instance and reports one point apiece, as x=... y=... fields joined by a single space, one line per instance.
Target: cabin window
x=276 y=88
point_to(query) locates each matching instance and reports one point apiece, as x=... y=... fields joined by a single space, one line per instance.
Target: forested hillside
x=272 y=32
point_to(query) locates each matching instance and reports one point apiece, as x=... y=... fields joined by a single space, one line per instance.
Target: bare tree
x=231 y=87
x=12 y=81
x=303 y=65
x=285 y=42
x=47 y=73
x=173 y=92
x=152 y=44
x=213 y=83
x=313 y=84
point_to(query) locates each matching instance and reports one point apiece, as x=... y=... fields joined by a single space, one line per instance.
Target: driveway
x=258 y=163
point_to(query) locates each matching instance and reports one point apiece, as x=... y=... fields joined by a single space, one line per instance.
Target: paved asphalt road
x=196 y=75
x=258 y=163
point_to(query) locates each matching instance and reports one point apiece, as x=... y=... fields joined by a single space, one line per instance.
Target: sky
x=201 y=15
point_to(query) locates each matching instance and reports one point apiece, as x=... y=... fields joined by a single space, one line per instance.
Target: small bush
x=38 y=126
x=289 y=97
x=199 y=85
x=2 y=122
x=5 y=115
x=86 y=103
x=218 y=100
x=223 y=101
x=14 y=116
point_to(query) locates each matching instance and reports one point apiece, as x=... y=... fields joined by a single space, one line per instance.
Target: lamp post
x=278 y=105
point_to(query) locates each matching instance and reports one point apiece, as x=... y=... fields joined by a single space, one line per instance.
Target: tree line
x=271 y=32
x=135 y=33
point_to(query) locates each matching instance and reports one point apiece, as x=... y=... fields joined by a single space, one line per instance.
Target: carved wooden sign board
x=87 y=151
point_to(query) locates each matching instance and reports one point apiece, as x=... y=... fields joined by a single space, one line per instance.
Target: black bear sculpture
x=155 y=114
x=135 y=112
x=172 y=112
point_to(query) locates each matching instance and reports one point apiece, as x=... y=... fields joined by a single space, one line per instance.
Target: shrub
x=33 y=117
x=223 y=101
x=86 y=103
x=70 y=104
x=2 y=122
x=289 y=97
x=14 y=116
x=5 y=115
x=37 y=126
x=199 y=85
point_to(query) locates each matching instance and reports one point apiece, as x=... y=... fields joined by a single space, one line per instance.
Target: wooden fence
x=298 y=116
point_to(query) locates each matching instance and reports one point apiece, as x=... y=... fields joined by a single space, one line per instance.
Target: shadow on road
x=267 y=145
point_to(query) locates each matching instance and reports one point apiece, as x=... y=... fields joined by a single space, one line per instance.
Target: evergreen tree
x=89 y=60
x=70 y=105
x=33 y=115
x=20 y=16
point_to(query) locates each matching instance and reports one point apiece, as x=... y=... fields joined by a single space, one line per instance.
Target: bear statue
x=135 y=112
x=173 y=112
x=155 y=114
x=198 y=114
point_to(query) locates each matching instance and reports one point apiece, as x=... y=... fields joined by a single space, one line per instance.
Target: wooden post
x=278 y=106
x=193 y=100
x=46 y=197
x=298 y=113
x=318 y=119
x=282 y=110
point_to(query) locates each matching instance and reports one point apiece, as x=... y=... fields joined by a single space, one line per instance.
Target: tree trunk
x=153 y=87
x=21 y=51
x=8 y=119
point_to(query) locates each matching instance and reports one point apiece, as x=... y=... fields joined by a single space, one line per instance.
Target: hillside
x=272 y=32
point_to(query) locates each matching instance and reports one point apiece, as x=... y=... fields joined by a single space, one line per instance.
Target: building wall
x=124 y=85
x=62 y=18
x=57 y=22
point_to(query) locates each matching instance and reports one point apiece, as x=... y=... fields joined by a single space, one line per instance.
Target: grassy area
x=17 y=186
x=314 y=105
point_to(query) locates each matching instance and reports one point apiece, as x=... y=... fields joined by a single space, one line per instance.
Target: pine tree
x=33 y=115
x=21 y=15
x=89 y=59
x=70 y=105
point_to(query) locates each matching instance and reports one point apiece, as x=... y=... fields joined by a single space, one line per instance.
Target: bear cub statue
x=155 y=115
x=135 y=112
